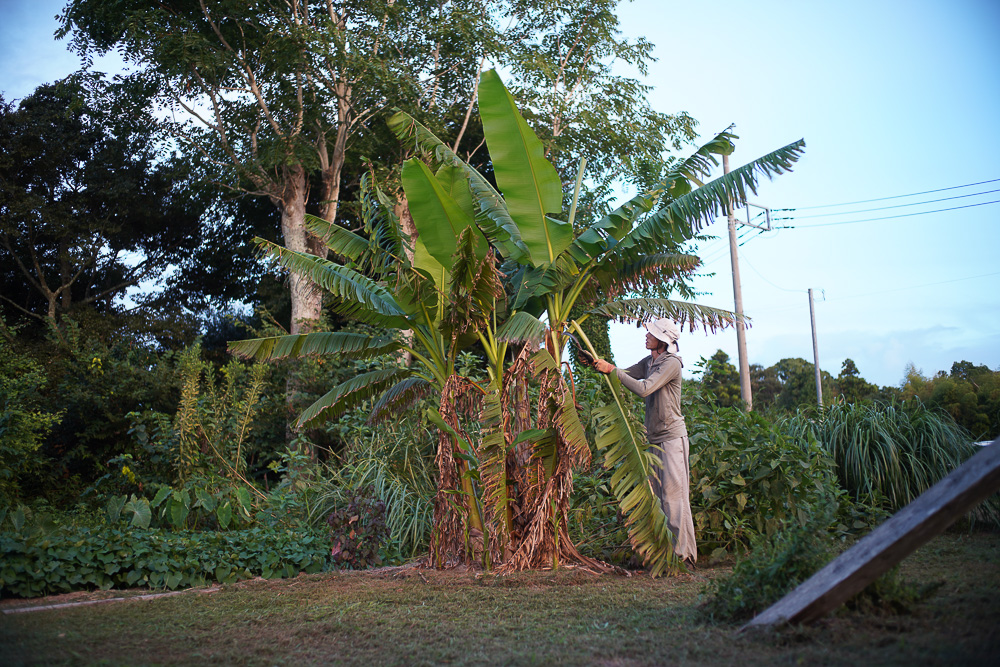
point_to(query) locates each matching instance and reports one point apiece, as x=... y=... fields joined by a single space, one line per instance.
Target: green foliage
x=892 y=452
x=358 y=531
x=748 y=479
x=774 y=567
x=596 y=525
x=778 y=564
x=94 y=382
x=37 y=562
x=969 y=393
x=721 y=379
x=24 y=422
x=89 y=205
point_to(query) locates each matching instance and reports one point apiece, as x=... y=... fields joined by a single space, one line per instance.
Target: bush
x=774 y=567
x=395 y=461
x=595 y=523
x=24 y=423
x=39 y=562
x=748 y=479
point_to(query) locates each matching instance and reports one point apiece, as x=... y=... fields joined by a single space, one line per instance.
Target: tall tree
x=272 y=92
x=88 y=206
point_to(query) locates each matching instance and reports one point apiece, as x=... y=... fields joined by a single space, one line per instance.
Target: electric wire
x=885 y=208
x=868 y=201
x=887 y=217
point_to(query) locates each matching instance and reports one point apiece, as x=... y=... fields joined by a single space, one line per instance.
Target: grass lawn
x=415 y=617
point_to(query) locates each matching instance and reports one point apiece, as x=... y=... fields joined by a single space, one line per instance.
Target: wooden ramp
x=927 y=516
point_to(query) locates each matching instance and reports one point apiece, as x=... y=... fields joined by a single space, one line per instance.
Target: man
x=657 y=378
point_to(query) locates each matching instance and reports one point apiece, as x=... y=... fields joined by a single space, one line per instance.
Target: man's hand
x=604 y=366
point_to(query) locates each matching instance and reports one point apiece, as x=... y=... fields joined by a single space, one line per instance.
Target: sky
x=892 y=97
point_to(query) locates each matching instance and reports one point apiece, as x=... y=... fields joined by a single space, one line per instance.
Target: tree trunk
x=402 y=212
x=307 y=299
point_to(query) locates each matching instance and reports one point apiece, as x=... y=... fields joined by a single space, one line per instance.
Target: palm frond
x=399 y=397
x=688 y=214
x=361 y=297
x=606 y=232
x=612 y=279
x=341 y=241
x=627 y=453
x=350 y=394
x=684 y=313
x=522 y=327
x=345 y=345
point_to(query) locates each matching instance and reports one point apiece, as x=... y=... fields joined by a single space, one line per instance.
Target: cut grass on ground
x=414 y=617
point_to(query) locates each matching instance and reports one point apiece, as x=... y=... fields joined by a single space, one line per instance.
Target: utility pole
x=741 y=336
x=819 y=377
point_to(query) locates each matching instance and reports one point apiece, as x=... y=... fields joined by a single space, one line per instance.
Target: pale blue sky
x=892 y=97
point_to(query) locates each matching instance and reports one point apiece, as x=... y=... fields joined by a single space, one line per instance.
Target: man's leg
x=675 y=494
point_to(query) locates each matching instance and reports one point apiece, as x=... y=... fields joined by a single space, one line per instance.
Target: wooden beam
x=926 y=517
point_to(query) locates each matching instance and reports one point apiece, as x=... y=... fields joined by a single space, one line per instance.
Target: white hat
x=663 y=329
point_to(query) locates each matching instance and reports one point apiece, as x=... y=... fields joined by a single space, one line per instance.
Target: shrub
x=596 y=526
x=40 y=562
x=777 y=565
x=24 y=423
x=774 y=567
x=749 y=479
x=395 y=461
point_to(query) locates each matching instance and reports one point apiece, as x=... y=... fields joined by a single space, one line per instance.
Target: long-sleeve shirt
x=659 y=384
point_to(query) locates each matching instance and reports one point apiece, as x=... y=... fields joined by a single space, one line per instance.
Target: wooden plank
x=926 y=517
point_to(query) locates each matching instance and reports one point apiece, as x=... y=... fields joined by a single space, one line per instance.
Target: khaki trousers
x=673 y=485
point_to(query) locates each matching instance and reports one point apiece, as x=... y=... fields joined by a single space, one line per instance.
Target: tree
x=722 y=379
x=852 y=386
x=88 y=206
x=273 y=92
x=970 y=394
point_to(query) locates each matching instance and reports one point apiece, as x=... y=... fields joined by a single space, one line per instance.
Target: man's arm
x=660 y=377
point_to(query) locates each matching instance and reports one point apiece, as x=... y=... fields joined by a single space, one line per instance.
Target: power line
x=888 y=217
x=867 y=201
x=885 y=208
x=783 y=289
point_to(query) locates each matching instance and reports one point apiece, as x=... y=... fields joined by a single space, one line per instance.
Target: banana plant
x=550 y=267
x=439 y=296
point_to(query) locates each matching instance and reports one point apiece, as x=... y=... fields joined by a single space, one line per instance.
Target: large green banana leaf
x=360 y=297
x=530 y=184
x=342 y=344
x=493 y=218
x=350 y=394
x=439 y=220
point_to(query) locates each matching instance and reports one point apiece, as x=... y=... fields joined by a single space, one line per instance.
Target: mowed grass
x=420 y=617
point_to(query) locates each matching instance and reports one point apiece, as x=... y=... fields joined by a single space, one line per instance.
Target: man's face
x=651 y=341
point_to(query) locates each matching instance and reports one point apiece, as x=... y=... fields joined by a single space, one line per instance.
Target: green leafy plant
x=38 y=562
x=748 y=479
x=776 y=565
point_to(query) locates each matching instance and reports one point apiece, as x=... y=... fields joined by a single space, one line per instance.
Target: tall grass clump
x=889 y=453
x=396 y=462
